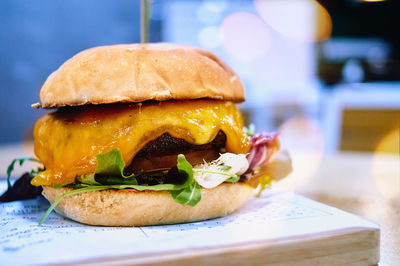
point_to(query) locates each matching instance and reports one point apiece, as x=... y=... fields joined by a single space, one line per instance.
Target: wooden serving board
x=276 y=229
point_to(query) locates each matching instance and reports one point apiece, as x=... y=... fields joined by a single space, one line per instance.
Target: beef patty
x=161 y=153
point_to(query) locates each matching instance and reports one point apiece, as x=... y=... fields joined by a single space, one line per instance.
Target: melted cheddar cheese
x=67 y=141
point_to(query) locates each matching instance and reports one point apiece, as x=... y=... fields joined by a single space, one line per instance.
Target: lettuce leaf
x=111 y=164
x=88 y=179
x=187 y=193
x=109 y=170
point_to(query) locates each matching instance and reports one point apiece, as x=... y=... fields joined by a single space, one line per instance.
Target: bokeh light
x=301 y=20
x=372 y=1
x=216 y=6
x=244 y=36
x=209 y=37
x=303 y=138
x=386 y=165
x=209 y=13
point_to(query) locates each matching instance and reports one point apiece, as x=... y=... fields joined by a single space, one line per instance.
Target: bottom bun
x=129 y=207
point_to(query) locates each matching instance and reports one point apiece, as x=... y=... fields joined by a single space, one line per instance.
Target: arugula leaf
x=110 y=168
x=114 y=180
x=191 y=194
x=88 y=179
x=184 y=167
x=111 y=164
x=21 y=161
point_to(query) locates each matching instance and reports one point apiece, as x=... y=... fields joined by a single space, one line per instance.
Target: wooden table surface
x=365 y=184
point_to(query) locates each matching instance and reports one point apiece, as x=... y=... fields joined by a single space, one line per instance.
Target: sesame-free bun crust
x=129 y=207
x=140 y=72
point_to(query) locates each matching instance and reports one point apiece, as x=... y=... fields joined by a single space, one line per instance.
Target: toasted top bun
x=140 y=72
x=129 y=207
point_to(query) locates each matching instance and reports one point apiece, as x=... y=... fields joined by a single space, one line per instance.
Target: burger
x=146 y=134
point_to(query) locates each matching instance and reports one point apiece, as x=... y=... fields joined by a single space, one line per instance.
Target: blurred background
x=330 y=65
x=326 y=74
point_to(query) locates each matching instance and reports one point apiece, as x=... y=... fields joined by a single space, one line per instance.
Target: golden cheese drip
x=67 y=141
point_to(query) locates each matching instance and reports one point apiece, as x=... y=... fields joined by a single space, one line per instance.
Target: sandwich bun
x=140 y=72
x=129 y=207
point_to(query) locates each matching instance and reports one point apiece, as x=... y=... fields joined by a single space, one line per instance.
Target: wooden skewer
x=145 y=11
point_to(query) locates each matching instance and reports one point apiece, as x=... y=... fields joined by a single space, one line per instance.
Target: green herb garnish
x=110 y=167
x=21 y=161
x=191 y=194
x=224 y=167
x=233 y=179
x=250 y=130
